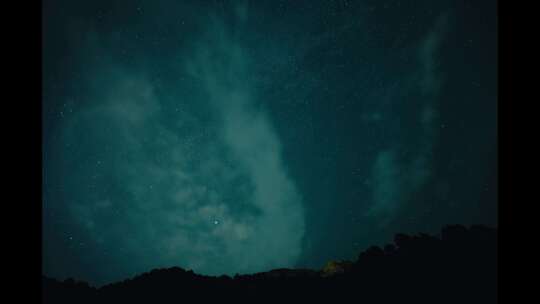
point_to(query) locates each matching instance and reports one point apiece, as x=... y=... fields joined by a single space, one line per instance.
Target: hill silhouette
x=457 y=266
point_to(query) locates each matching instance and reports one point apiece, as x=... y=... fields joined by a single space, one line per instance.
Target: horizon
x=236 y=275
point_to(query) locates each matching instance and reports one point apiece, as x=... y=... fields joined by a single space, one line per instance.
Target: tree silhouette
x=459 y=266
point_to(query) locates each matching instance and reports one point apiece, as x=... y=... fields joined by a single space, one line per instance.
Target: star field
x=241 y=136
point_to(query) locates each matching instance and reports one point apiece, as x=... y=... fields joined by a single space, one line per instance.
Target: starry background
x=241 y=136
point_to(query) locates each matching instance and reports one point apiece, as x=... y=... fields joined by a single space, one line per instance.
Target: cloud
x=222 y=67
x=386 y=185
x=395 y=177
x=208 y=192
x=431 y=78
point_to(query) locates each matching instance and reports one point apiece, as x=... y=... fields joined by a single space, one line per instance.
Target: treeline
x=457 y=266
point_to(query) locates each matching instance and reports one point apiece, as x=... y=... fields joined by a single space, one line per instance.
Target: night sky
x=241 y=136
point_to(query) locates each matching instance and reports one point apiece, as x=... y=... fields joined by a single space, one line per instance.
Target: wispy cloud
x=394 y=177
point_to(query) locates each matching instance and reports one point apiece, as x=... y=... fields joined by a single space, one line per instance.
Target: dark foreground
x=458 y=266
